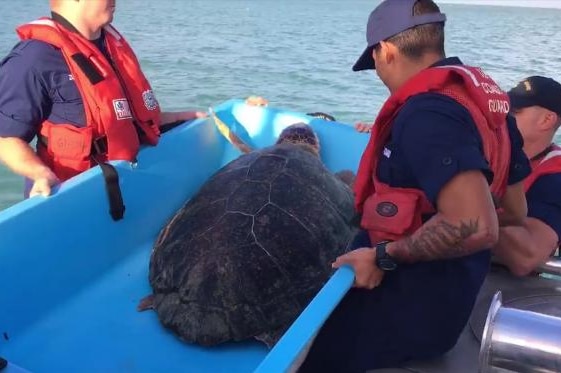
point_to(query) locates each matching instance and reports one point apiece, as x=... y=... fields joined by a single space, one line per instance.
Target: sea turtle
x=249 y=251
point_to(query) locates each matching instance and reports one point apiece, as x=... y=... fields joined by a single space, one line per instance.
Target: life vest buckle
x=99 y=145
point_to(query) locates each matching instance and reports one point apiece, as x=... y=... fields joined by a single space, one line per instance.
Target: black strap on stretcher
x=110 y=176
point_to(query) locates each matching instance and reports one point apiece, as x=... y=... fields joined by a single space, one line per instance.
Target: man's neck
x=412 y=68
x=76 y=25
x=534 y=148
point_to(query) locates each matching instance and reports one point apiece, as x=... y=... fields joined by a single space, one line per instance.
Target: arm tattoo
x=439 y=240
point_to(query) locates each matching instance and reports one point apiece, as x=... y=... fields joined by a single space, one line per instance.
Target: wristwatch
x=383 y=260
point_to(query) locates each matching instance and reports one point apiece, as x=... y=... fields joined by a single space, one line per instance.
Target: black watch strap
x=383 y=260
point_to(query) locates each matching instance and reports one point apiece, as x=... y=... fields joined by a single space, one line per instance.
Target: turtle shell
x=250 y=250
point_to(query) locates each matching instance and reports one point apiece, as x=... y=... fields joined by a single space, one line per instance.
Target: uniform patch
x=122 y=109
x=387 y=153
x=386 y=209
x=149 y=100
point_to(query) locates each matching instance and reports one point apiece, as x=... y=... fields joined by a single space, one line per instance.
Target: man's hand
x=43 y=183
x=188 y=115
x=18 y=156
x=367 y=274
x=180 y=116
x=363 y=127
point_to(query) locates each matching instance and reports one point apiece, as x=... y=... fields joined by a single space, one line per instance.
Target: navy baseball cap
x=390 y=18
x=537 y=91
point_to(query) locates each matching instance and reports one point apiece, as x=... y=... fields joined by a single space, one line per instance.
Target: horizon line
x=543 y=4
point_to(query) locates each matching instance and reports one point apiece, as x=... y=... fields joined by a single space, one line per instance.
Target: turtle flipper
x=146 y=303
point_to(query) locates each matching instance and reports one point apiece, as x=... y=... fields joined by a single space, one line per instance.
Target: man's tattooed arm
x=440 y=238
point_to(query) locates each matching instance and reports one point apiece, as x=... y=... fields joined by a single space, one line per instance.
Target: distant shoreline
x=506 y=3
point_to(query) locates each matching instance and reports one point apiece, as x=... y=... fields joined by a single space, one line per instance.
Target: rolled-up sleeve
x=23 y=96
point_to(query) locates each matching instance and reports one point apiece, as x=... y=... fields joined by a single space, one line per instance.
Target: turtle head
x=300 y=134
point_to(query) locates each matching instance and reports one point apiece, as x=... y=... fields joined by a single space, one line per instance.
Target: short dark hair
x=417 y=41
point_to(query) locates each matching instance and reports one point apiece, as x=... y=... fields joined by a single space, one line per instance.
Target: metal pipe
x=519 y=341
x=552 y=267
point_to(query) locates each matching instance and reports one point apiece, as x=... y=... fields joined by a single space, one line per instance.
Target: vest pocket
x=392 y=214
x=70 y=142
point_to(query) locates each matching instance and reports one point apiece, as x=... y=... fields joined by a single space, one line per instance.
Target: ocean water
x=297 y=54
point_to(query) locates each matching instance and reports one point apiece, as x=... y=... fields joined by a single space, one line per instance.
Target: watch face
x=386 y=264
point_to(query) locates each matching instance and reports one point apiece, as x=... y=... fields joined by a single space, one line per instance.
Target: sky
x=524 y=3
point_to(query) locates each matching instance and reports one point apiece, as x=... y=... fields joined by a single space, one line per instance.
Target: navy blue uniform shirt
x=419 y=309
x=434 y=138
x=36 y=84
x=544 y=201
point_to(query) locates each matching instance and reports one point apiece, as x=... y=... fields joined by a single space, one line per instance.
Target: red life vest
x=118 y=101
x=548 y=164
x=389 y=213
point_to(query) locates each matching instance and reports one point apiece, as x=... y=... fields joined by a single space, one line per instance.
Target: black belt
x=110 y=175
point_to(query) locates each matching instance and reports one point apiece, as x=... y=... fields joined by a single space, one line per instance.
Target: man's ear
x=388 y=52
x=550 y=120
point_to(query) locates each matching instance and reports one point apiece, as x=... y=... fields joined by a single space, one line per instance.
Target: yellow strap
x=228 y=134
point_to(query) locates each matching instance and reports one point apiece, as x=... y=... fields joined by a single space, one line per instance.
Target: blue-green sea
x=296 y=53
